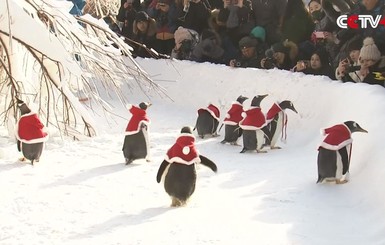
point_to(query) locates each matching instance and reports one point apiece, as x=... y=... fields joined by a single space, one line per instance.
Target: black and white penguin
x=335 y=151
x=231 y=122
x=136 y=142
x=276 y=119
x=178 y=168
x=30 y=134
x=207 y=121
x=253 y=124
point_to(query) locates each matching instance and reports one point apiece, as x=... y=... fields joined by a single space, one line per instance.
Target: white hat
x=369 y=50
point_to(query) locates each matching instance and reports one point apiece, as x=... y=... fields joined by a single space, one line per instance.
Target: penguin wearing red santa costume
x=207 y=121
x=30 y=134
x=276 y=119
x=335 y=151
x=136 y=142
x=231 y=122
x=253 y=124
x=178 y=168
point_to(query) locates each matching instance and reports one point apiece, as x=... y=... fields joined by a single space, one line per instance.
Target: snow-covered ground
x=82 y=193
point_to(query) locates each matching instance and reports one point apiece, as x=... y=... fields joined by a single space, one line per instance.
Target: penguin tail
x=220 y=127
x=320 y=179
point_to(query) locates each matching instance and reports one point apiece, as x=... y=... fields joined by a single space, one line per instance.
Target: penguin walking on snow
x=276 y=119
x=207 y=121
x=178 y=168
x=231 y=122
x=30 y=134
x=335 y=152
x=136 y=143
x=253 y=126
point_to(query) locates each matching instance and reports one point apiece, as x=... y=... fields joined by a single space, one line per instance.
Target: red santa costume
x=234 y=115
x=183 y=151
x=213 y=110
x=254 y=119
x=139 y=116
x=282 y=124
x=337 y=137
x=30 y=130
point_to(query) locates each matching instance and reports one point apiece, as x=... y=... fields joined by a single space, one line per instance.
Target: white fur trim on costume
x=322 y=131
x=212 y=114
x=137 y=131
x=38 y=140
x=227 y=115
x=243 y=114
x=129 y=106
x=181 y=161
x=228 y=122
x=186 y=150
x=186 y=134
x=336 y=147
x=236 y=103
x=248 y=127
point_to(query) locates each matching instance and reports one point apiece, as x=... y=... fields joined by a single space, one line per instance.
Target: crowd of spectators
x=265 y=34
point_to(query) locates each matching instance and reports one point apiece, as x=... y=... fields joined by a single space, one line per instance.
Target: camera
x=237 y=63
x=186 y=46
x=353 y=68
x=270 y=62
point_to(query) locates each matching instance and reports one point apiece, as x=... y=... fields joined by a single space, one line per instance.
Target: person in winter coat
x=30 y=134
x=348 y=67
x=77 y=9
x=165 y=15
x=209 y=49
x=250 y=56
x=269 y=14
x=144 y=32
x=237 y=16
x=185 y=42
x=318 y=65
x=197 y=15
x=372 y=64
x=297 y=25
x=281 y=55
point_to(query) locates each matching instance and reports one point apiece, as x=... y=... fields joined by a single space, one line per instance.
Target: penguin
x=178 y=170
x=253 y=126
x=30 y=134
x=276 y=119
x=207 y=121
x=231 y=122
x=136 y=142
x=334 y=153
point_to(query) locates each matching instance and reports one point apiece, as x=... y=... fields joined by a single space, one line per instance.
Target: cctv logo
x=360 y=21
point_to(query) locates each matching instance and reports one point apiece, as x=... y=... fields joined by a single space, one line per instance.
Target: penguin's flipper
x=345 y=160
x=161 y=169
x=208 y=163
x=19 y=145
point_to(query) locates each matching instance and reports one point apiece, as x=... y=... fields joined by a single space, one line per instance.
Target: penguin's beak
x=294 y=110
x=264 y=96
x=361 y=130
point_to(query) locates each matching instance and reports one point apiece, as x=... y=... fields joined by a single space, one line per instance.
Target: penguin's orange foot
x=261 y=151
x=275 y=147
x=340 y=182
x=22 y=159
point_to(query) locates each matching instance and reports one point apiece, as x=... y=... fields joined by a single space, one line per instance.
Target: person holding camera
x=347 y=70
x=165 y=15
x=318 y=65
x=185 y=42
x=250 y=56
x=281 y=55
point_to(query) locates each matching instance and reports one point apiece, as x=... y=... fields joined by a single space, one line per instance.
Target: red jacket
x=234 y=115
x=29 y=129
x=213 y=110
x=273 y=111
x=139 y=116
x=183 y=151
x=337 y=137
x=253 y=120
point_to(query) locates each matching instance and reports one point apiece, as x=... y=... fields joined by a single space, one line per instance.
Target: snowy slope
x=81 y=192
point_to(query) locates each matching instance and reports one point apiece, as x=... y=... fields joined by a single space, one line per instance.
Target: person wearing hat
x=209 y=49
x=281 y=55
x=185 y=42
x=347 y=70
x=144 y=30
x=30 y=134
x=372 y=63
x=249 y=55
